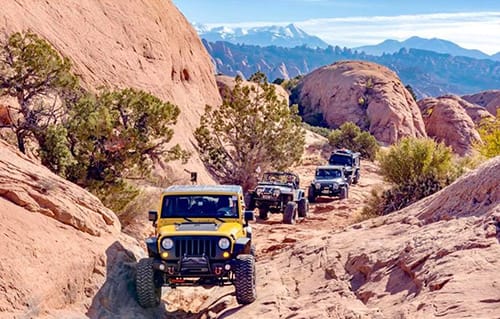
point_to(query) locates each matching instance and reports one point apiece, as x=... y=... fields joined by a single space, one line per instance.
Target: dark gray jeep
x=329 y=181
x=350 y=161
x=279 y=192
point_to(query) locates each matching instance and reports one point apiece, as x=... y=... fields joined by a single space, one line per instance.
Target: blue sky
x=472 y=24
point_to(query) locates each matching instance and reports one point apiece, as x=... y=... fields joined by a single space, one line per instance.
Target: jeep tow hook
x=218 y=270
x=170 y=270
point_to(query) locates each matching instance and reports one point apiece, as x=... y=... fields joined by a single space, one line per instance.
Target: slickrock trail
x=275 y=241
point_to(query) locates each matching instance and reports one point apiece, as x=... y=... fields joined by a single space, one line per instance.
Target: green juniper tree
x=252 y=129
x=40 y=80
x=117 y=134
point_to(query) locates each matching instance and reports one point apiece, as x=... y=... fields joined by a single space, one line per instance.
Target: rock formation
x=365 y=93
x=53 y=236
x=490 y=100
x=142 y=44
x=225 y=82
x=453 y=120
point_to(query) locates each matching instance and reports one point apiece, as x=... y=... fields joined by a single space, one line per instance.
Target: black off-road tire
x=344 y=192
x=310 y=194
x=290 y=214
x=303 y=207
x=356 y=178
x=264 y=213
x=244 y=279
x=148 y=290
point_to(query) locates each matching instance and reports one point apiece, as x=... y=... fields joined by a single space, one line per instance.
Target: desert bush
x=489 y=130
x=350 y=136
x=416 y=168
x=323 y=131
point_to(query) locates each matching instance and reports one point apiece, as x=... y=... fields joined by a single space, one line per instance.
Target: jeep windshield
x=199 y=206
x=328 y=173
x=336 y=159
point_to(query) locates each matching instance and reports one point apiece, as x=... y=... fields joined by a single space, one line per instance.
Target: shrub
x=489 y=130
x=417 y=168
x=350 y=136
x=323 y=131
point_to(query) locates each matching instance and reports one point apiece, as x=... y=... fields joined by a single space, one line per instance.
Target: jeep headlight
x=167 y=243
x=259 y=191
x=224 y=243
x=317 y=185
x=276 y=192
x=335 y=185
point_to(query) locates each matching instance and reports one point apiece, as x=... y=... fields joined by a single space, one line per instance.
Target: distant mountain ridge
x=284 y=36
x=434 y=44
x=429 y=73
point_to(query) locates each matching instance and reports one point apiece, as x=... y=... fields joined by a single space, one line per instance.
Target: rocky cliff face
x=490 y=100
x=53 y=236
x=365 y=93
x=142 y=44
x=452 y=120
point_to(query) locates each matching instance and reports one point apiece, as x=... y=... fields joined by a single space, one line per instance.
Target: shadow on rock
x=117 y=296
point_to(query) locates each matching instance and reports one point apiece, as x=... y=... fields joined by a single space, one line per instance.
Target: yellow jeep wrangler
x=202 y=238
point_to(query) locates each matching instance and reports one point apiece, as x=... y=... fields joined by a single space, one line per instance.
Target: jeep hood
x=338 y=180
x=284 y=188
x=201 y=229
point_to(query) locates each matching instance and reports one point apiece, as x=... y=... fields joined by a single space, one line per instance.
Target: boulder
x=53 y=236
x=451 y=120
x=490 y=100
x=368 y=94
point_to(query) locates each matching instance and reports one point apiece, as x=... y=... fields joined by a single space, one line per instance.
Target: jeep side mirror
x=249 y=215
x=152 y=215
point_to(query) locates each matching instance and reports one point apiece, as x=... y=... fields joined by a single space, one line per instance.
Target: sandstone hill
x=54 y=235
x=453 y=120
x=490 y=100
x=142 y=44
x=365 y=93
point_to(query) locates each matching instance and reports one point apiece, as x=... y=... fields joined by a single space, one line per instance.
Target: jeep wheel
x=310 y=194
x=356 y=178
x=263 y=213
x=303 y=207
x=290 y=214
x=344 y=192
x=244 y=279
x=148 y=290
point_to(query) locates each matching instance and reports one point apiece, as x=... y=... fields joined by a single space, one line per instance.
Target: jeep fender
x=152 y=246
x=242 y=246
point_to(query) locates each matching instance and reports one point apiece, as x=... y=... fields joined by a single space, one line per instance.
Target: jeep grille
x=195 y=247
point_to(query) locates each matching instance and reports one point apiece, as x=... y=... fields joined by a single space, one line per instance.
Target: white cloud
x=475 y=30
x=471 y=30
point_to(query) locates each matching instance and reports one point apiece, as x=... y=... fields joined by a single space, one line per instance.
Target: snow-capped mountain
x=283 y=36
x=436 y=45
